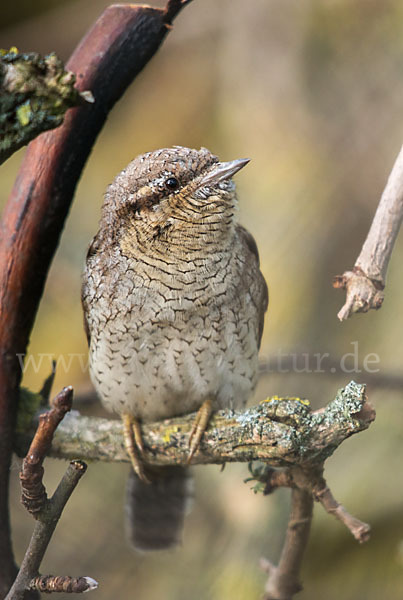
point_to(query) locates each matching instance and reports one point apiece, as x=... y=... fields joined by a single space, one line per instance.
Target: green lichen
x=35 y=94
x=24 y=113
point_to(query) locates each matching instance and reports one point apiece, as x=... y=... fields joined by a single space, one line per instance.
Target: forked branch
x=282 y=432
x=46 y=511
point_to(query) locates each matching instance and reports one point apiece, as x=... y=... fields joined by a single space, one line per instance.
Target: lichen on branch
x=280 y=431
x=35 y=93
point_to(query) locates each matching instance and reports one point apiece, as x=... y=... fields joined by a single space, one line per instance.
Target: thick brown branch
x=113 y=52
x=364 y=284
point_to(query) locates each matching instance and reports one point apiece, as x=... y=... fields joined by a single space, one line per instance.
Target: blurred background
x=312 y=92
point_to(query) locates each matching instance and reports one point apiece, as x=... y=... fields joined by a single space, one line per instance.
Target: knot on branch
x=362 y=292
x=33 y=492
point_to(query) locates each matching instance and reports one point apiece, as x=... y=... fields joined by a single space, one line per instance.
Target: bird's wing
x=261 y=295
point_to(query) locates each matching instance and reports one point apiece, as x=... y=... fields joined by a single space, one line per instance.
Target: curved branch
x=365 y=283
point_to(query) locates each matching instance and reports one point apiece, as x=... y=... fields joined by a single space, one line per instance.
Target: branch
x=114 y=51
x=307 y=484
x=283 y=581
x=309 y=478
x=323 y=494
x=280 y=431
x=33 y=495
x=46 y=512
x=365 y=283
x=35 y=94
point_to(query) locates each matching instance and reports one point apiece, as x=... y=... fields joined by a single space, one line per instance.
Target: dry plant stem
x=113 y=52
x=47 y=520
x=365 y=283
x=283 y=581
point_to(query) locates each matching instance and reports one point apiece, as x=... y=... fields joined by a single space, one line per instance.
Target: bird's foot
x=199 y=427
x=134 y=445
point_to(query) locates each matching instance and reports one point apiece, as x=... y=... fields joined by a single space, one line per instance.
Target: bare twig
x=283 y=581
x=364 y=284
x=307 y=484
x=114 y=51
x=359 y=529
x=45 y=525
x=46 y=512
x=33 y=491
x=66 y=584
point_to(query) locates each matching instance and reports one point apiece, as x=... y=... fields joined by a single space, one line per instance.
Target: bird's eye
x=171 y=183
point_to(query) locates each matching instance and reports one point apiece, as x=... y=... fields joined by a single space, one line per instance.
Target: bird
x=174 y=304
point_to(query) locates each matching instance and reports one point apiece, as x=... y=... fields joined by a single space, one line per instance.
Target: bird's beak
x=223 y=170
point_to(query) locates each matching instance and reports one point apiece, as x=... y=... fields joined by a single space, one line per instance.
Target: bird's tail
x=156 y=510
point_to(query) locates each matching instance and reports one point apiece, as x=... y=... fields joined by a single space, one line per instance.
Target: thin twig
x=359 y=529
x=66 y=584
x=33 y=493
x=283 y=581
x=46 y=512
x=364 y=284
x=45 y=525
x=307 y=484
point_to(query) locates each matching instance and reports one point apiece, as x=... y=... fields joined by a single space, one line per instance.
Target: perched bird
x=174 y=304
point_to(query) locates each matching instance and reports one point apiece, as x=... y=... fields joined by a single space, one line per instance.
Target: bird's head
x=174 y=191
